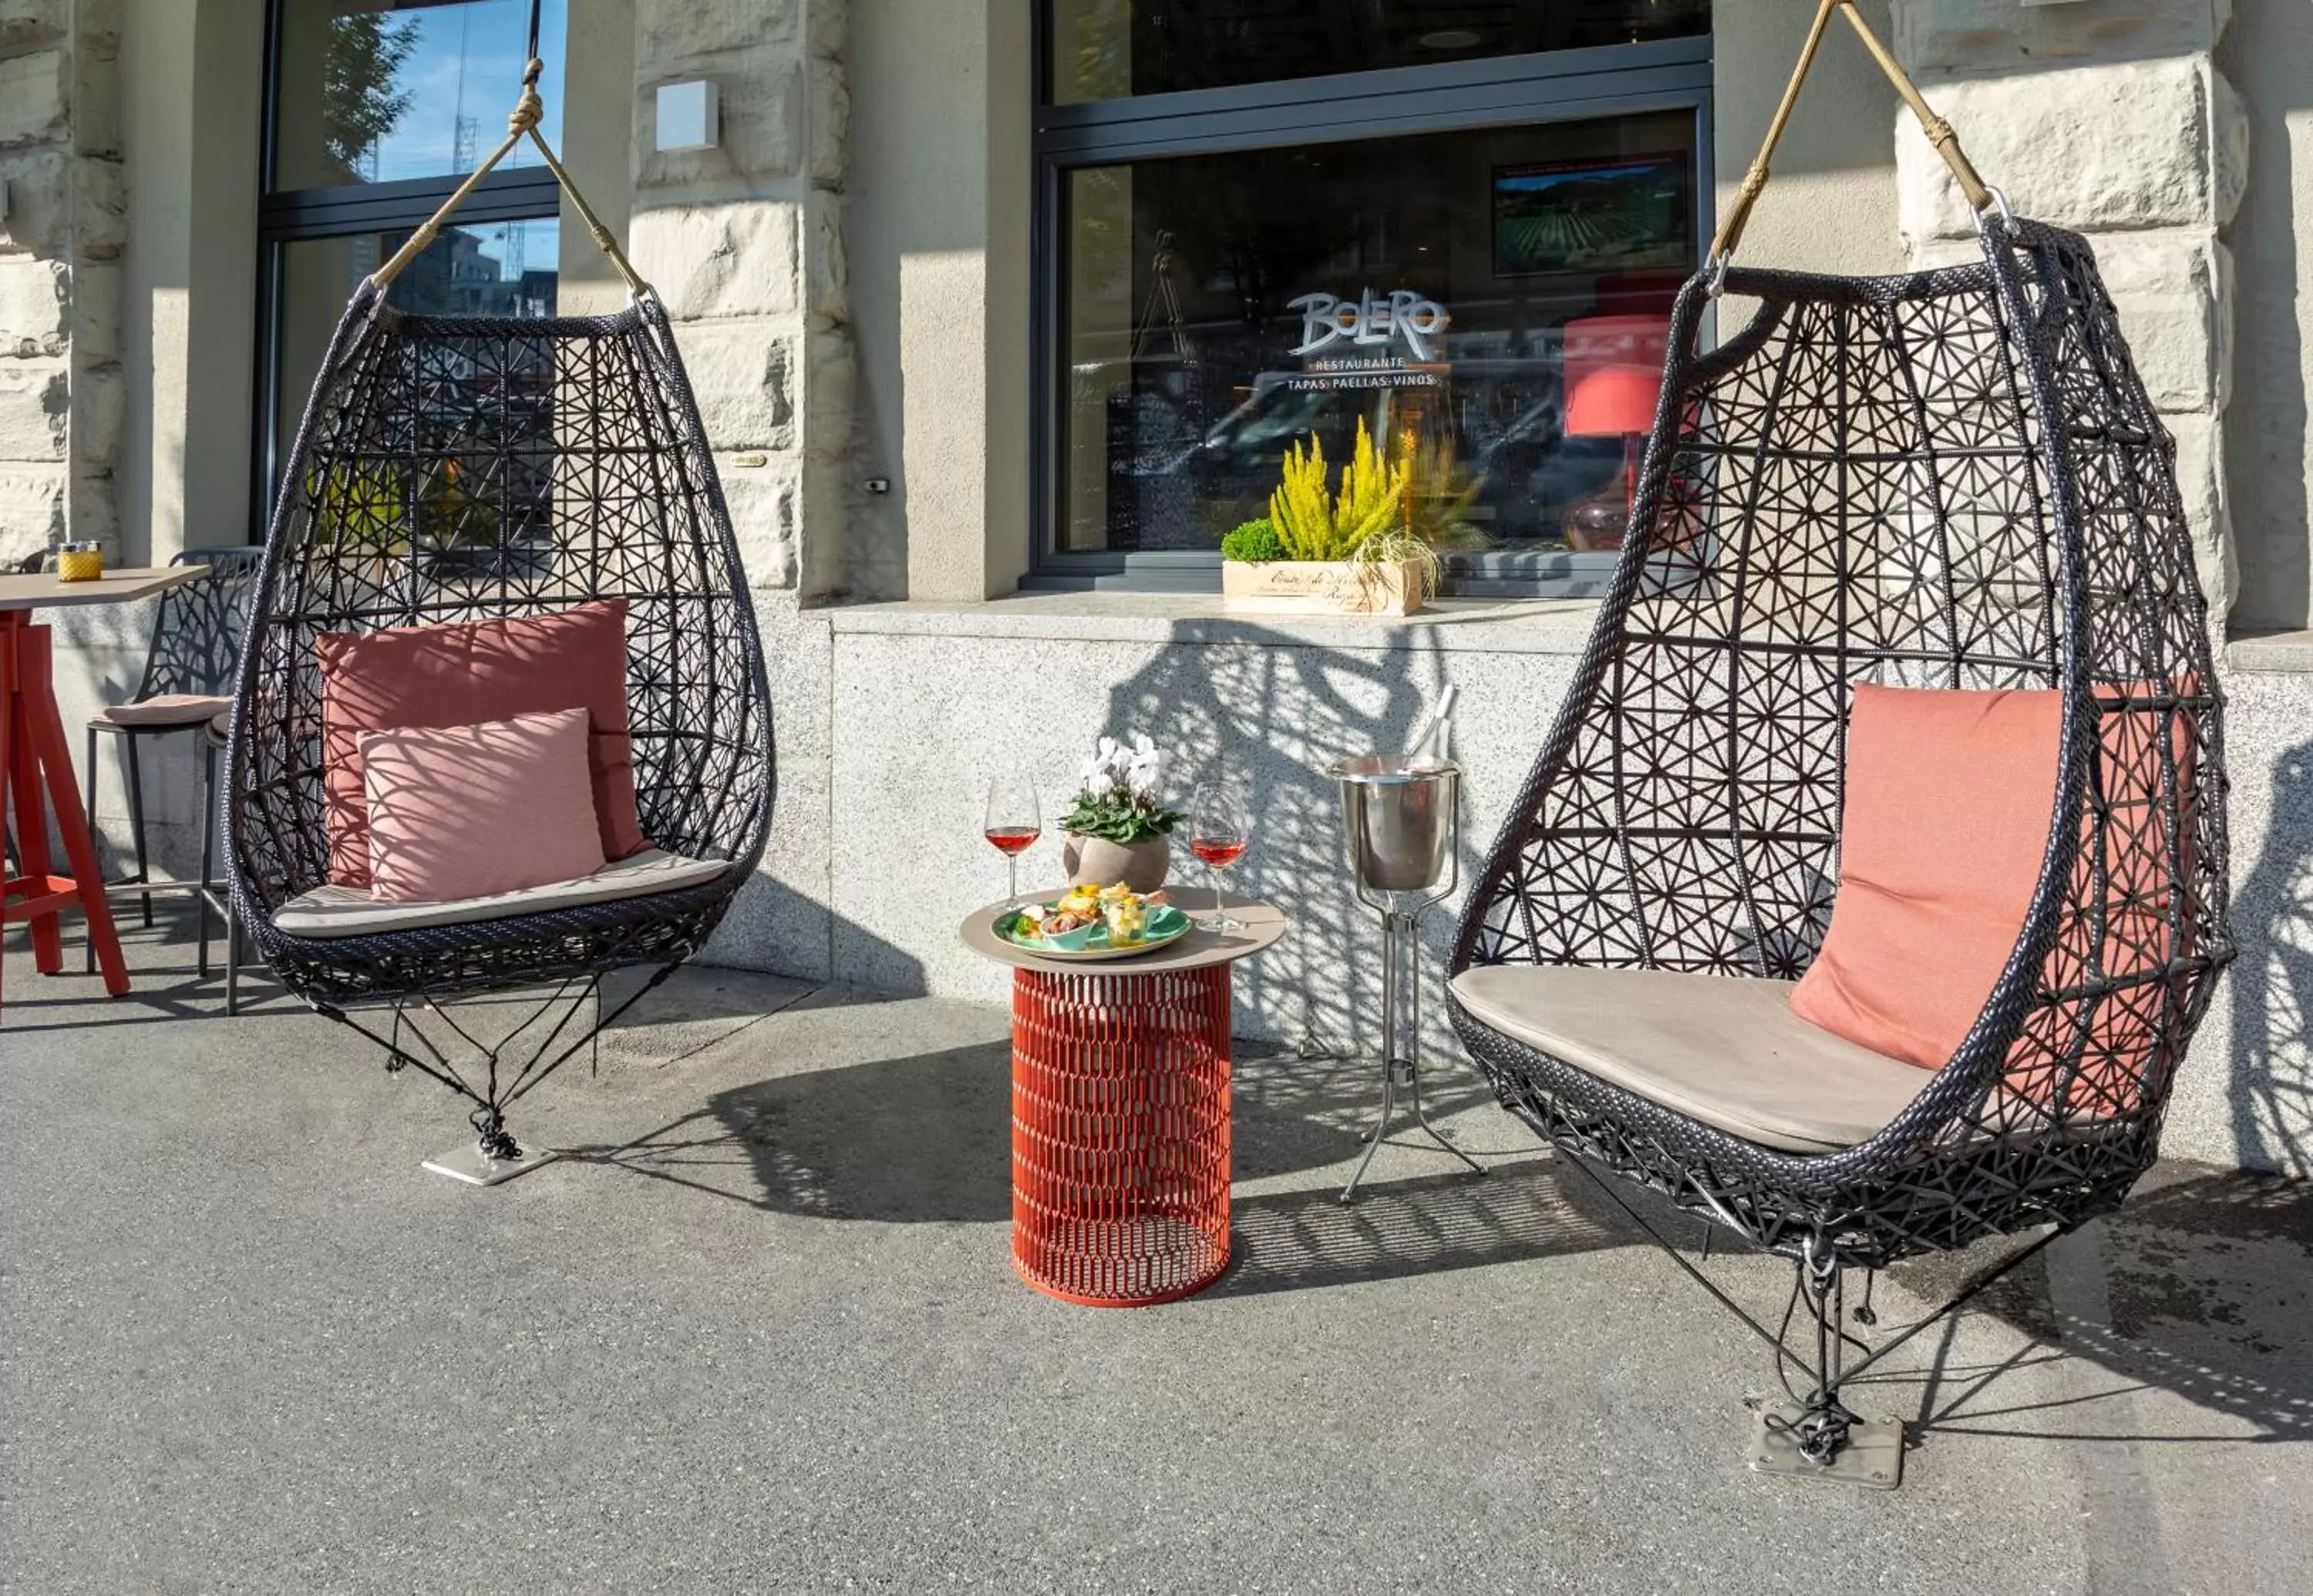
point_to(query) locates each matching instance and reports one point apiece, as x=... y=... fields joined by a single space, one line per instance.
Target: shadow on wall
x=2272 y=979
x=1282 y=712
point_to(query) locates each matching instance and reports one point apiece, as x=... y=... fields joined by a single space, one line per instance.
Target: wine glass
x=1014 y=820
x=1220 y=829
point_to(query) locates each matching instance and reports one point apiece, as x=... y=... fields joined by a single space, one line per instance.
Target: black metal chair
x=1949 y=478
x=187 y=682
x=459 y=469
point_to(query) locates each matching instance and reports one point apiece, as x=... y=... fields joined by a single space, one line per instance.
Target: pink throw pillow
x=463 y=674
x=1950 y=796
x=468 y=811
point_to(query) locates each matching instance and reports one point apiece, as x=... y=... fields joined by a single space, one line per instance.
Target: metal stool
x=186 y=688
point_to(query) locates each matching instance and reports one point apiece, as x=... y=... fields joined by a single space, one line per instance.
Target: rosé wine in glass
x=1014 y=820
x=1220 y=829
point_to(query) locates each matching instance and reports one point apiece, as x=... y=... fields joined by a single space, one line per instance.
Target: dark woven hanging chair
x=1946 y=478
x=533 y=465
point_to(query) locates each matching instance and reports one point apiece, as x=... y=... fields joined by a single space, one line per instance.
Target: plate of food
x=1094 y=923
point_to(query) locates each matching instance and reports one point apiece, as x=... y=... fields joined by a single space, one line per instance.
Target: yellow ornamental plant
x=1313 y=523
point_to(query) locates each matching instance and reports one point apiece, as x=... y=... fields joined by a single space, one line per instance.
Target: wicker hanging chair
x=1943 y=479
x=529 y=466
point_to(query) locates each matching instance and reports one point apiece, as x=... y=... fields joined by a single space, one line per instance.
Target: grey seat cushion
x=1719 y=1049
x=164 y=710
x=329 y=912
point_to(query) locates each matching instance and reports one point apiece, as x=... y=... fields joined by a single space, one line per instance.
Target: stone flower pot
x=1098 y=862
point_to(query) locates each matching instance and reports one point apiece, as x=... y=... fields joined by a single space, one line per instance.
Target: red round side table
x=1120 y=1112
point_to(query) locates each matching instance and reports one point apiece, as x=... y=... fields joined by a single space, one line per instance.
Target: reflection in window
x=1107 y=49
x=384 y=91
x=1491 y=303
x=482 y=268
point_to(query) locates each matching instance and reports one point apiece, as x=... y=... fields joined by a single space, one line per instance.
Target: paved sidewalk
x=762 y=1335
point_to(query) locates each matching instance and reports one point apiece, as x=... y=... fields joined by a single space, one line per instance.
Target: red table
x=39 y=785
x=1121 y=1111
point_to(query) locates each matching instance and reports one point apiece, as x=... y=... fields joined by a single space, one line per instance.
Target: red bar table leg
x=31 y=821
x=7 y=754
x=1120 y=1134
x=40 y=787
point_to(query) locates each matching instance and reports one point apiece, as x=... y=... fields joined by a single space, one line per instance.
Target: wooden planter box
x=1322 y=587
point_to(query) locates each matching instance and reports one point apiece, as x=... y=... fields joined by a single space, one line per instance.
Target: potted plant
x=1350 y=550
x=1118 y=827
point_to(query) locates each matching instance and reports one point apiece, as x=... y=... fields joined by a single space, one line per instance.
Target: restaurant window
x=377 y=110
x=1457 y=225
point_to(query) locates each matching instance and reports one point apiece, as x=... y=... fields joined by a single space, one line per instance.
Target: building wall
x=939 y=244
x=1830 y=201
x=2267 y=54
x=2109 y=117
x=63 y=393
x=189 y=340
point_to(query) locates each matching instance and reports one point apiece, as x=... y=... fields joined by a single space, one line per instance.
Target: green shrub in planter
x=1253 y=542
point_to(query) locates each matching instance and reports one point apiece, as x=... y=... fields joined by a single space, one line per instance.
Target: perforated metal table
x=1120 y=1110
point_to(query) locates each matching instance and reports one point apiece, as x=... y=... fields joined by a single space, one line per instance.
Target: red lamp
x=1613 y=367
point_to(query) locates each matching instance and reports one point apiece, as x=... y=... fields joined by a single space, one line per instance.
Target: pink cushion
x=461 y=675
x=466 y=811
x=1949 y=799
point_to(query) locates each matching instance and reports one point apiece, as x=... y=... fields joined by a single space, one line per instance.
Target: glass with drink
x=1220 y=829
x=1014 y=820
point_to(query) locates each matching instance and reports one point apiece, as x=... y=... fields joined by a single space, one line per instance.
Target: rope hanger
x=1939 y=132
x=522 y=122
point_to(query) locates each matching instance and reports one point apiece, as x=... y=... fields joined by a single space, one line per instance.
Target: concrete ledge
x=2277 y=652
x=1526 y=626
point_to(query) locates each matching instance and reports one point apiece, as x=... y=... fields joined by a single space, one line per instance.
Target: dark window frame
x=292 y=215
x=1552 y=86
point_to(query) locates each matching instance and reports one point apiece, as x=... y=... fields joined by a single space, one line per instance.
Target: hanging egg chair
x=1948 y=481
x=452 y=470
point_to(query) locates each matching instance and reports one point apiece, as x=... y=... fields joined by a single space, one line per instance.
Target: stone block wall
x=2109 y=117
x=63 y=396
x=745 y=243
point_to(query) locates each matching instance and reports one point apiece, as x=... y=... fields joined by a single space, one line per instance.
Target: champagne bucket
x=1403 y=818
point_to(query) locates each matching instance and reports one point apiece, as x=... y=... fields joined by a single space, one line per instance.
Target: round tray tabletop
x=1263 y=924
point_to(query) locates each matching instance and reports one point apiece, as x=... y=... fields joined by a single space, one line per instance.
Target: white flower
x=1145 y=768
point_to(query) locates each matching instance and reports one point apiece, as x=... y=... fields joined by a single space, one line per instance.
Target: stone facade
x=63 y=395
x=2109 y=117
x=744 y=242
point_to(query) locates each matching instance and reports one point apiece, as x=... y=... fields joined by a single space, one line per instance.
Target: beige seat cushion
x=1720 y=1049
x=334 y=910
x=165 y=709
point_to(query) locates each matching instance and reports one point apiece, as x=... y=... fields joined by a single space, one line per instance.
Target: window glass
x=384 y=91
x=1107 y=49
x=1491 y=304
x=480 y=269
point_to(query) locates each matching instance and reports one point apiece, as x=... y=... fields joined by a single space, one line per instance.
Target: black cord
x=530 y=53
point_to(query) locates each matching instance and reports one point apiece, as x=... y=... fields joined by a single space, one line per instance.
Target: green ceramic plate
x=1167 y=924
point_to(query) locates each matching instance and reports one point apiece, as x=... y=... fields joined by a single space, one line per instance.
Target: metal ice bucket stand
x=1403 y=821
